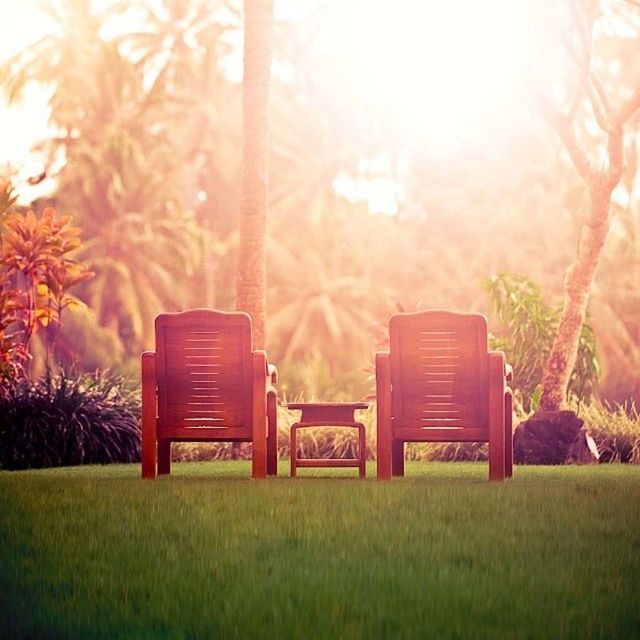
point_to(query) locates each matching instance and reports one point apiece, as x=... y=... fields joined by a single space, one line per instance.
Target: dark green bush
x=60 y=421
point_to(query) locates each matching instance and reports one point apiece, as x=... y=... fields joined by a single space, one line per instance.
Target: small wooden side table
x=328 y=414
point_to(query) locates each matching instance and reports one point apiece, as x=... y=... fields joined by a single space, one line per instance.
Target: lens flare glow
x=438 y=67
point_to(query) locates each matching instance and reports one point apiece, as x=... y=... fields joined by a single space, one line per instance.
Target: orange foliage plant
x=36 y=274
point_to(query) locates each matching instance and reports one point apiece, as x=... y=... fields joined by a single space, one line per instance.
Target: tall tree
x=251 y=273
x=600 y=163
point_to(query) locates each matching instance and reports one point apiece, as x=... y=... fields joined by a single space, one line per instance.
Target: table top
x=328 y=405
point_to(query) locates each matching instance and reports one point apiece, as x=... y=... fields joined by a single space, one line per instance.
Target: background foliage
x=526 y=333
x=145 y=155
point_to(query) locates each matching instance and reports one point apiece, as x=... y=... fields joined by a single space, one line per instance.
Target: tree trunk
x=593 y=233
x=251 y=269
x=601 y=173
x=577 y=286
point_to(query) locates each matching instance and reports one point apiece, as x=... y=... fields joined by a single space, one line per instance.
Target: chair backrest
x=203 y=370
x=439 y=371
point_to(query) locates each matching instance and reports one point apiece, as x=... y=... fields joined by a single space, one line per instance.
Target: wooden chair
x=439 y=383
x=203 y=383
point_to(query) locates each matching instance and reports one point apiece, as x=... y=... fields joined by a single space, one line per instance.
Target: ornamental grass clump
x=60 y=421
x=616 y=430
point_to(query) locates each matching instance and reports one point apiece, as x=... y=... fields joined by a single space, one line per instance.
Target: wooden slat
x=224 y=414
x=204 y=381
x=204 y=409
x=194 y=396
x=188 y=380
x=463 y=395
x=192 y=354
x=449 y=410
x=418 y=434
x=201 y=434
x=327 y=462
x=326 y=423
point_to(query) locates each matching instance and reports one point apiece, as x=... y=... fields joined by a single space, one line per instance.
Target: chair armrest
x=382 y=362
x=508 y=372
x=270 y=370
x=148 y=369
x=507 y=369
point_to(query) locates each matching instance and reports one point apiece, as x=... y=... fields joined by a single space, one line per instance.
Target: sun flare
x=437 y=67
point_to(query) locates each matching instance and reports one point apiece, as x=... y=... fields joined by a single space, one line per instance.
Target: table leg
x=362 y=449
x=294 y=449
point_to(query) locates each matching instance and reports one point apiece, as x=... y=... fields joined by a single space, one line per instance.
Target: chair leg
x=383 y=450
x=164 y=457
x=383 y=416
x=362 y=450
x=149 y=417
x=272 y=435
x=497 y=456
x=259 y=423
x=259 y=459
x=397 y=458
x=259 y=452
x=496 y=460
x=149 y=456
x=508 y=434
x=293 y=456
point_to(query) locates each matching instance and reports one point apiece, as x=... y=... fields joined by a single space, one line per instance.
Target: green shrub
x=528 y=331
x=61 y=421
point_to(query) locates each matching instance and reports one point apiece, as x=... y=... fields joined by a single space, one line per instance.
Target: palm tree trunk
x=251 y=270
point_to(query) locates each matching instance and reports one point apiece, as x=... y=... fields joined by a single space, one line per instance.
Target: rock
x=545 y=438
x=583 y=450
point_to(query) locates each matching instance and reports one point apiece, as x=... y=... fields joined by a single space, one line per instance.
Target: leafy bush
x=63 y=421
x=529 y=328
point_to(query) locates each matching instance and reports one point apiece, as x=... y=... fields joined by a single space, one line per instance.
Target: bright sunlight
x=438 y=67
x=353 y=285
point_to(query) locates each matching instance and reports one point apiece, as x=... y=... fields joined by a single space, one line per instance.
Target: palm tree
x=122 y=177
x=251 y=271
x=58 y=60
x=120 y=137
x=326 y=305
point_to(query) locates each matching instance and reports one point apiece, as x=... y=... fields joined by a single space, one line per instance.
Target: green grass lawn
x=95 y=552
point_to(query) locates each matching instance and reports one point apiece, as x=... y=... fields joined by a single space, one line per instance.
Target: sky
x=23 y=124
x=396 y=52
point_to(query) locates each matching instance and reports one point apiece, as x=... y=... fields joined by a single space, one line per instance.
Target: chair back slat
x=204 y=370
x=439 y=370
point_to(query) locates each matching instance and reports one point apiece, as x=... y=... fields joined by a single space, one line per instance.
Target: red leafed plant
x=36 y=273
